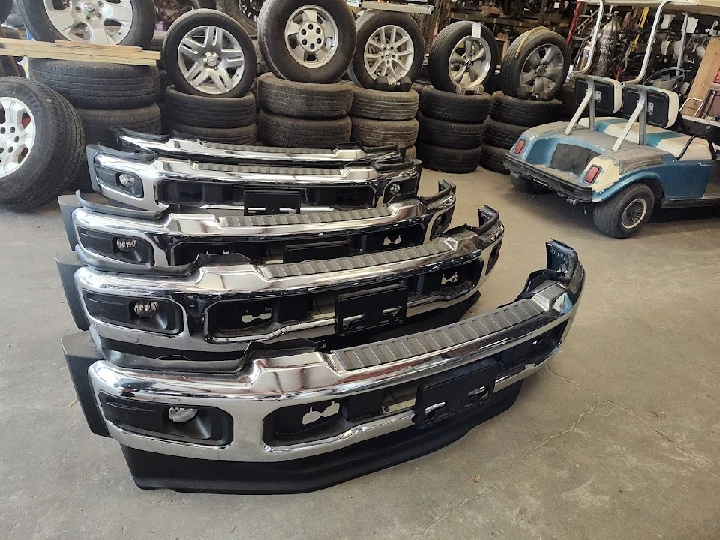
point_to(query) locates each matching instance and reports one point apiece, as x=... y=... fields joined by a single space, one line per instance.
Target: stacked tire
x=509 y=118
x=41 y=141
x=531 y=76
x=105 y=96
x=304 y=115
x=385 y=118
x=451 y=130
x=210 y=97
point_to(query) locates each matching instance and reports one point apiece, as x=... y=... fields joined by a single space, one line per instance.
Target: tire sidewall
x=511 y=83
x=192 y=20
x=271 y=37
x=614 y=208
x=368 y=25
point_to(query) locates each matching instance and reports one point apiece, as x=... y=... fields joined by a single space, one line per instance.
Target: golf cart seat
x=661 y=110
x=608 y=93
x=662 y=139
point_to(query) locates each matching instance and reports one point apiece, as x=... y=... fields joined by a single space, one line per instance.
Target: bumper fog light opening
x=146 y=309
x=181 y=415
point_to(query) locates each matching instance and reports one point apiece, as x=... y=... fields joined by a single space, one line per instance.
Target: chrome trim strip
x=267 y=384
x=183 y=146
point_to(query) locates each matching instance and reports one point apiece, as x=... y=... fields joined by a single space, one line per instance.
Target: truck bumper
x=298 y=420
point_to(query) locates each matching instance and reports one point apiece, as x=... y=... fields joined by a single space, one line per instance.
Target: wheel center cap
x=212 y=60
x=312 y=36
x=540 y=70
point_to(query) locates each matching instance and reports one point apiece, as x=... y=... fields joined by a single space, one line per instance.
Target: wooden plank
x=78 y=52
x=708 y=69
x=120 y=49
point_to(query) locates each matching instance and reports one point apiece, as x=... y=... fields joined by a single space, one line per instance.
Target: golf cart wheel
x=463 y=58
x=389 y=45
x=42 y=144
x=525 y=185
x=304 y=100
x=207 y=53
x=246 y=12
x=304 y=42
x=624 y=214
x=535 y=66
x=100 y=22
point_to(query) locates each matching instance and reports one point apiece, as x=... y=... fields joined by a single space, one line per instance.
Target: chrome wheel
x=634 y=213
x=103 y=22
x=542 y=71
x=470 y=63
x=17 y=134
x=389 y=52
x=211 y=59
x=311 y=36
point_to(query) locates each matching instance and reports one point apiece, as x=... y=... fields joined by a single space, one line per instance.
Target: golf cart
x=646 y=155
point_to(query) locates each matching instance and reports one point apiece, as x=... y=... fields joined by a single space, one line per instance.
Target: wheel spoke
x=460 y=74
x=311 y=15
x=216 y=78
x=122 y=12
x=292 y=28
x=99 y=33
x=62 y=19
x=549 y=54
x=534 y=58
x=402 y=41
x=527 y=77
x=405 y=53
x=190 y=48
x=456 y=59
x=226 y=78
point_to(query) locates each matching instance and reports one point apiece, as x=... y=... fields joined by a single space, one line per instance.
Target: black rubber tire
x=5 y=9
x=501 y=134
x=367 y=24
x=8 y=67
x=38 y=23
x=377 y=105
x=165 y=83
x=241 y=135
x=288 y=132
x=442 y=48
x=304 y=100
x=233 y=9
x=450 y=134
x=271 y=38
x=607 y=215
x=207 y=112
x=466 y=109
x=526 y=185
x=517 y=54
x=59 y=149
x=367 y=132
x=493 y=158
x=156 y=44
x=523 y=112
x=90 y=85
x=449 y=160
x=208 y=17
x=98 y=123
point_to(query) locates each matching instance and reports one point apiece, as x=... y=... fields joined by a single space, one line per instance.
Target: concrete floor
x=618 y=438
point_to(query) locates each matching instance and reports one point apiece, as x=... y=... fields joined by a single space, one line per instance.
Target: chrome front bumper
x=176 y=243
x=148 y=182
x=180 y=146
x=512 y=342
x=277 y=302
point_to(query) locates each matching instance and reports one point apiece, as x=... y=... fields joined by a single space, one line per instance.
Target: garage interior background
x=599 y=434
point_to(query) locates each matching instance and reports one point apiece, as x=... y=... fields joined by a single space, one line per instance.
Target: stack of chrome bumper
x=242 y=333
